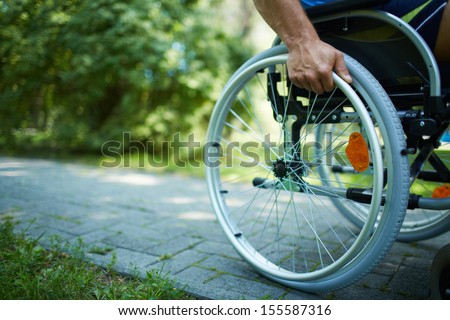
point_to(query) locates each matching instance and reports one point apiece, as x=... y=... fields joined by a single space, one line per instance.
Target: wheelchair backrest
x=390 y=56
x=337 y=6
x=387 y=46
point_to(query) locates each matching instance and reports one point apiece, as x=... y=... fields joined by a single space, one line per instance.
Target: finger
x=317 y=87
x=341 y=69
x=300 y=82
x=327 y=82
x=305 y=85
x=315 y=84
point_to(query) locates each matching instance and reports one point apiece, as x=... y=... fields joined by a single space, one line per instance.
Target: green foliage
x=77 y=73
x=28 y=271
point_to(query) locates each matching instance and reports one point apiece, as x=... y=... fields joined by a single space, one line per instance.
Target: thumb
x=341 y=69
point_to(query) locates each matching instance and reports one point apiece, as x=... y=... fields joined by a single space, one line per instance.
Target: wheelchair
x=313 y=190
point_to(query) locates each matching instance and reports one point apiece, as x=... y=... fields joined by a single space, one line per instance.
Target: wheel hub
x=280 y=169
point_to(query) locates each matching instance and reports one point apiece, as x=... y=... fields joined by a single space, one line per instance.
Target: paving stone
x=219 y=248
x=248 y=289
x=175 y=246
x=386 y=268
x=299 y=295
x=194 y=279
x=375 y=281
x=167 y=231
x=132 y=229
x=128 y=260
x=357 y=292
x=176 y=264
x=412 y=283
x=165 y=223
x=130 y=241
x=230 y=266
x=212 y=231
x=97 y=236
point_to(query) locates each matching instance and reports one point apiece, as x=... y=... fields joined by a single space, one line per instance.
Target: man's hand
x=311 y=61
x=310 y=66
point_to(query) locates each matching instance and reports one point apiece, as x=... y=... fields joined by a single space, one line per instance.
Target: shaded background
x=75 y=74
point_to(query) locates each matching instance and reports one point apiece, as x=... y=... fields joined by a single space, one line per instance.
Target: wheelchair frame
x=432 y=120
x=414 y=131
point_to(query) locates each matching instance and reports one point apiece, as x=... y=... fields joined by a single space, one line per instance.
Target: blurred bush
x=77 y=73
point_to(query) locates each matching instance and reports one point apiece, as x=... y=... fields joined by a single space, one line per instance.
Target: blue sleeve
x=312 y=3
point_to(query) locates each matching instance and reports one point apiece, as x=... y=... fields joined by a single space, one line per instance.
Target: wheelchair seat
x=340 y=6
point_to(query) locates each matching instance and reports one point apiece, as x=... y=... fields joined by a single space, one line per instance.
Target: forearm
x=288 y=19
x=311 y=61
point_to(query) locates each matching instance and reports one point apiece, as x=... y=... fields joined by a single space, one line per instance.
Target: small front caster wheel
x=440 y=275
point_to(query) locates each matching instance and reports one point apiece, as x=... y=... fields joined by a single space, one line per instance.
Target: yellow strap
x=409 y=16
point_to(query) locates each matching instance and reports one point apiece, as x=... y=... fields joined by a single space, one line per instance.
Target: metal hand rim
x=212 y=175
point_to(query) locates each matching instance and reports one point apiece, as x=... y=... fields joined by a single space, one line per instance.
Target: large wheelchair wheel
x=263 y=173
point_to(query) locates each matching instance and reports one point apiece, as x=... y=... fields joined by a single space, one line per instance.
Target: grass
x=28 y=272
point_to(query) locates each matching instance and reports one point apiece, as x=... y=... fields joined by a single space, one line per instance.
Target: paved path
x=165 y=222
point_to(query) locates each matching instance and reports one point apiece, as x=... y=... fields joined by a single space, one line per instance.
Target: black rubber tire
x=440 y=275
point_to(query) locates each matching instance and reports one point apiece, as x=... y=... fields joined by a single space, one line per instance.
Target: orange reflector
x=357 y=152
x=441 y=192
